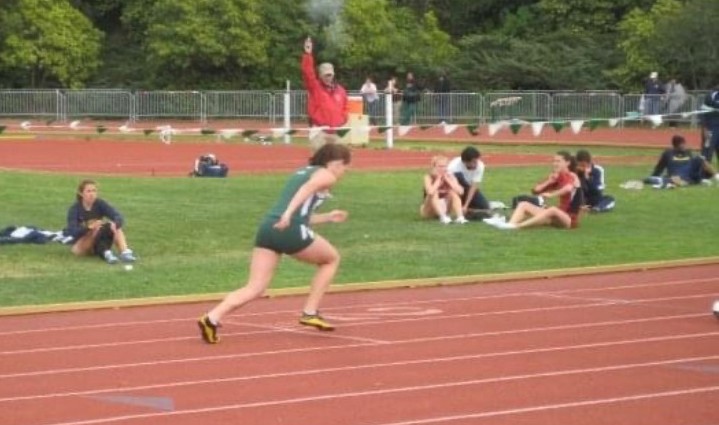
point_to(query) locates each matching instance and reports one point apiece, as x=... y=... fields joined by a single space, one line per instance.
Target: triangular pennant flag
x=656 y=120
x=537 y=127
x=494 y=128
x=100 y=129
x=450 y=128
x=314 y=131
x=249 y=133
x=2 y=128
x=472 y=129
x=147 y=131
x=166 y=135
x=74 y=125
x=613 y=122
x=593 y=124
x=404 y=129
x=291 y=131
x=207 y=131
x=515 y=127
x=558 y=126
x=383 y=128
x=576 y=126
x=278 y=132
x=425 y=127
x=228 y=133
x=342 y=132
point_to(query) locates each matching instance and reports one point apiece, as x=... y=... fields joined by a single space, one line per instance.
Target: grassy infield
x=194 y=235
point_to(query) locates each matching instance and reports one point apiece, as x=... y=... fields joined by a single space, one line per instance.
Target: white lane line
x=155 y=322
x=545 y=407
x=371 y=366
x=580 y=298
x=419 y=388
x=338 y=347
x=364 y=322
x=312 y=333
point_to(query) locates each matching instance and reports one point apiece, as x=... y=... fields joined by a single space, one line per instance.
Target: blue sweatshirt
x=711 y=119
x=78 y=217
x=594 y=185
x=675 y=162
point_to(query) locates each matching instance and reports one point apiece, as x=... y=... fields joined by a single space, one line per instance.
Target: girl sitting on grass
x=562 y=183
x=96 y=226
x=442 y=192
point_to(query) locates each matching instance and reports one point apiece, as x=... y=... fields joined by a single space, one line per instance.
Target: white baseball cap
x=327 y=69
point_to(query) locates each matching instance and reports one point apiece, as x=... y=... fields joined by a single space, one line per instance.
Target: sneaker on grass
x=127 y=256
x=110 y=258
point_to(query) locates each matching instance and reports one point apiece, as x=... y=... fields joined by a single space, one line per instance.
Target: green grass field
x=194 y=235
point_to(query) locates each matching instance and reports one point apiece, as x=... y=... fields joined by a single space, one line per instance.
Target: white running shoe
x=461 y=220
x=505 y=226
x=445 y=219
x=497 y=218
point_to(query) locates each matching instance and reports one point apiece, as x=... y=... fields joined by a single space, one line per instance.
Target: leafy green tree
x=47 y=42
x=592 y=16
x=464 y=17
x=685 y=44
x=638 y=31
x=104 y=14
x=288 y=27
x=555 y=61
x=200 y=43
x=373 y=37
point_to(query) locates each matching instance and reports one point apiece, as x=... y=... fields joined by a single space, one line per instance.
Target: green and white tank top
x=301 y=214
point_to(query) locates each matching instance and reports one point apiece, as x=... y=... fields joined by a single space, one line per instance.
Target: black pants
x=478 y=201
x=104 y=240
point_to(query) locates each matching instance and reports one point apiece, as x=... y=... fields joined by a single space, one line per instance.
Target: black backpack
x=208 y=166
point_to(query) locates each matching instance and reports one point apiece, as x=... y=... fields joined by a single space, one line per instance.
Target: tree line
x=256 y=44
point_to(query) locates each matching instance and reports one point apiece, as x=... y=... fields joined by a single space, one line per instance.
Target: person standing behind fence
x=371 y=99
x=653 y=91
x=410 y=98
x=710 y=126
x=393 y=90
x=443 y=98
x=676 y=97
x=327 y=100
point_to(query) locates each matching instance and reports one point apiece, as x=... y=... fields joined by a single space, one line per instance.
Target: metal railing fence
x=458 y=107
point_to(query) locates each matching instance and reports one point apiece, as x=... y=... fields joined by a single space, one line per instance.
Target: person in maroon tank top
x=442 y=193
x=564 y=184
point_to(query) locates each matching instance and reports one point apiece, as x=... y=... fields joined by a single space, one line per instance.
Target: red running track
x=621 y=348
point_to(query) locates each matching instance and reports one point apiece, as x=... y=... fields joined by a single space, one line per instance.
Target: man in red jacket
x=327 y=100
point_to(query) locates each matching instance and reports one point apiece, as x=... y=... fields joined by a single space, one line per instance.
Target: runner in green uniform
x=286 y=229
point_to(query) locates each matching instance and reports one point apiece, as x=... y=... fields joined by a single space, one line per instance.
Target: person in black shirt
x=442 y=92
x=96 y=226
x=678 y=166
x=710 y=125
x=592 y=176
x=411 y=96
